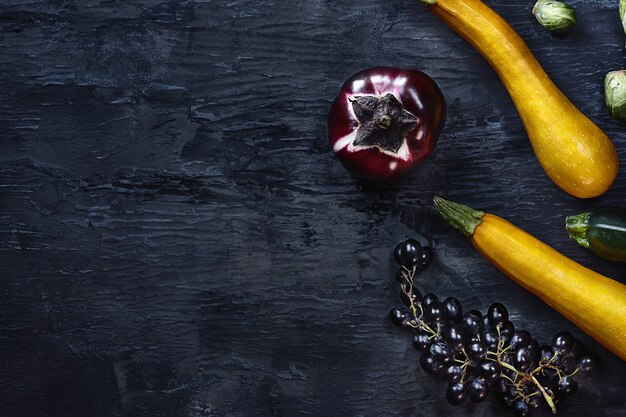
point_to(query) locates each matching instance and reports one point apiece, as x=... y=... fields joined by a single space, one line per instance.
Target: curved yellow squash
x=595 y=303
x=574 y=152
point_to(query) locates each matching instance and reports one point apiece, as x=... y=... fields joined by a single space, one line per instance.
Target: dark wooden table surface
x=177 y=239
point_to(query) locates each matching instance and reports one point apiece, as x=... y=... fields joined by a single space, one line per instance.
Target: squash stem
x=577 y=227
x=463 y=218
x=429 y=2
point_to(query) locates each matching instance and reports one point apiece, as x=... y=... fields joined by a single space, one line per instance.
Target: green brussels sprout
x=615 y=94
x=556 y=16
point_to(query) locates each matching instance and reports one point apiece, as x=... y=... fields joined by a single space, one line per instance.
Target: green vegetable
x=556 y=16
x=615 y=94
x=603 y=231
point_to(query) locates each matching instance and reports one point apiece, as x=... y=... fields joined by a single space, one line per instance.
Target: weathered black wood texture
x=176 y=238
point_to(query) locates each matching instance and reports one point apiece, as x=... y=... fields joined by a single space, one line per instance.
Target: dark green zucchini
x=603 y=231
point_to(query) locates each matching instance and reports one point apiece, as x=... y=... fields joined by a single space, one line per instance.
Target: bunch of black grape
x=478 y=354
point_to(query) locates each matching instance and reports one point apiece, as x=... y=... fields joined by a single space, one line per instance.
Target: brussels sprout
x=615 y=94
x=556 y=16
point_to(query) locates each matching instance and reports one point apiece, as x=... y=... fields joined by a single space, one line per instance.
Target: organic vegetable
x=385 y=121
x=556 y=16
x=479 y=354
x=603 y=231
x=572 y=150
x=615 y=94
x=593 y=302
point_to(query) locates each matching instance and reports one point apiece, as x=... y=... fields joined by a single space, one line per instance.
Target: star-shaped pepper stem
x=383 y=122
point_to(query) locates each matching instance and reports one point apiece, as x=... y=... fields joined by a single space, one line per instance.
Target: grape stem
x=419 y=323
x=507 y=377
x=546 y=396
x=510 y=367
x=464 y=368
x=520 y=377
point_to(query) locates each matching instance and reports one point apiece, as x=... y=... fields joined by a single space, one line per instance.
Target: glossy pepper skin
x=385 y=121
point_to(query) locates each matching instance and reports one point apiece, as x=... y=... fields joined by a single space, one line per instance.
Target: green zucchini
x=603 y=231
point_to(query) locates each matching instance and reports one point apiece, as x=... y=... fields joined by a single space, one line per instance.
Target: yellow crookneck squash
x=593 y=302
x=575 y=153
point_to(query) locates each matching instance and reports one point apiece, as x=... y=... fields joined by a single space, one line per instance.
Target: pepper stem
x=429 y=2
x=463 y=218
x=577 y=227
